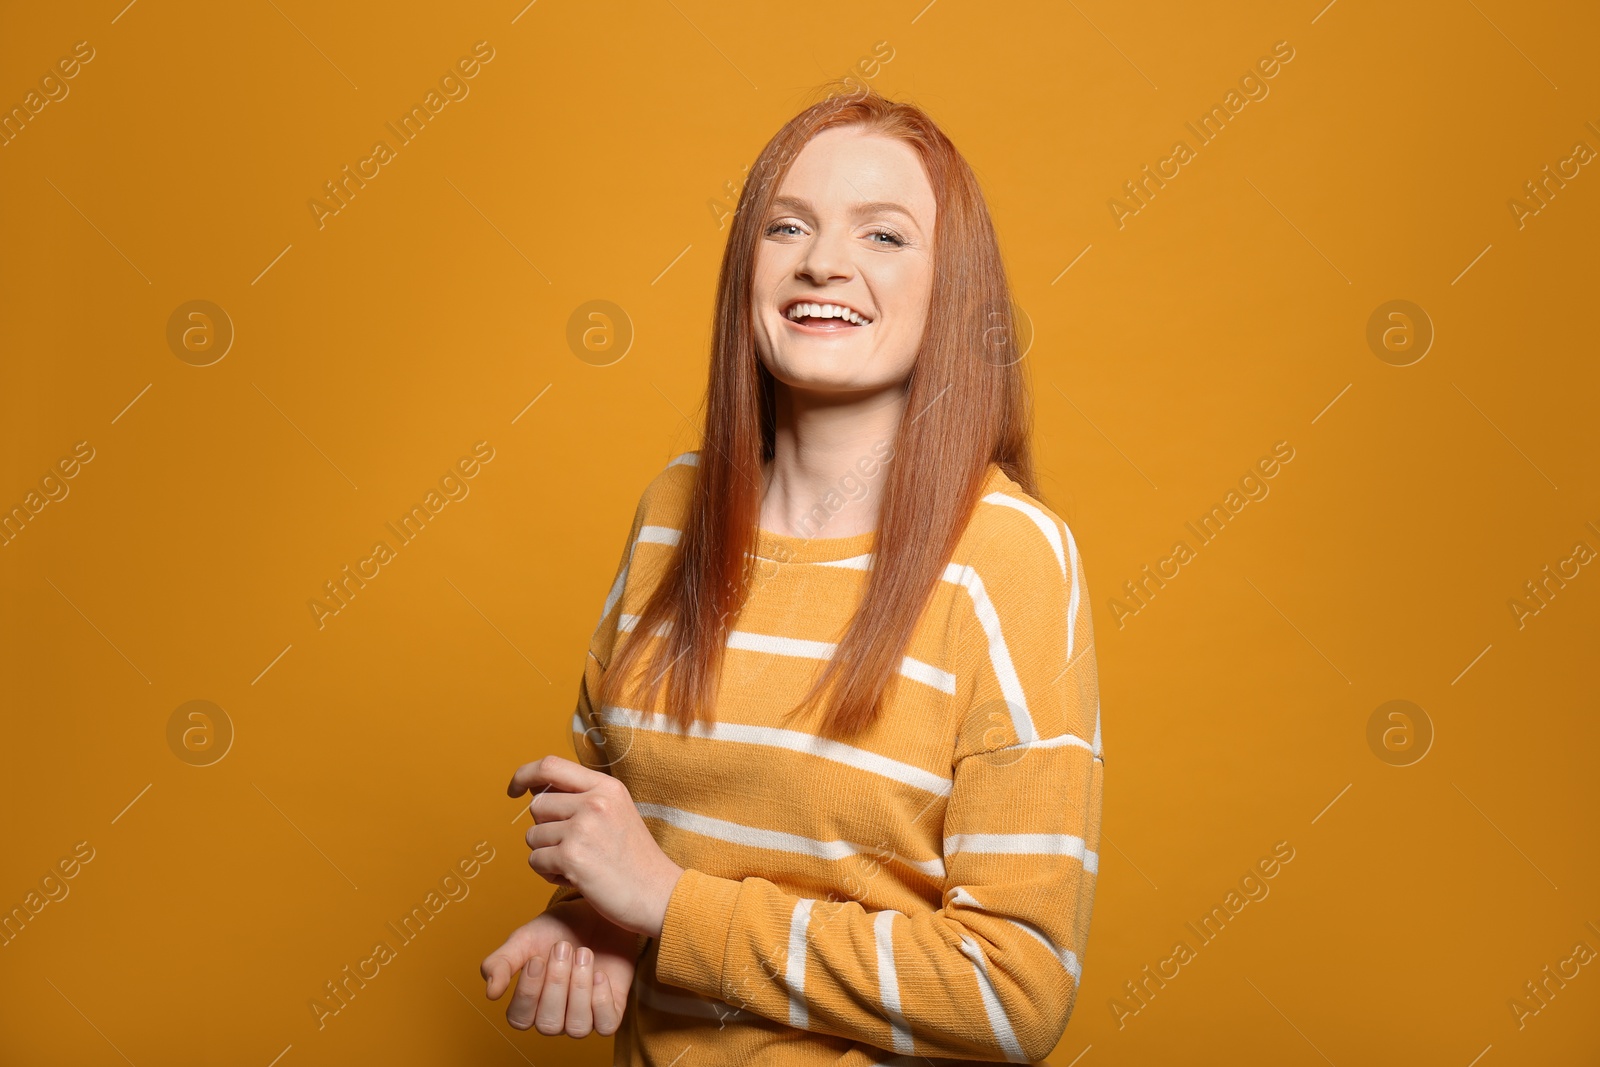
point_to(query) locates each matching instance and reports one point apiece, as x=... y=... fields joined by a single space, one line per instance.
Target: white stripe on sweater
x=1005 y=673
x=794 y=975
x=889 y=980
x=777 y=737
x=1072 y=603
x=1004 y=1035
x=1054 y=536
x=1040 y=519
x=1065 y=956
x=774 y=644
x=774 y=840
x=656 y=535
x=1097 y=751
x=1059 y=741
x=915 y=669
x=659 y=535
x=1024 y=845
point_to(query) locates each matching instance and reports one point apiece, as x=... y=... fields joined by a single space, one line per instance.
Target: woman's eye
x=776 y=226
x=893 y=238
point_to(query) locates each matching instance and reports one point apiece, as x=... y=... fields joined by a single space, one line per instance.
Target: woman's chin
x=842 y=386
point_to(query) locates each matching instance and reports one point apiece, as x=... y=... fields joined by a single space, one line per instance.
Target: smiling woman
x=837 y=798
x=841 y=283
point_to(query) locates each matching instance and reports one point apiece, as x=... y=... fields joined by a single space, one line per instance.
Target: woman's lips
x=823 y=314
x=821 y=325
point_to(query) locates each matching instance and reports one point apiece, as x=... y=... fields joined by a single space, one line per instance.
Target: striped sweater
x=922 y=892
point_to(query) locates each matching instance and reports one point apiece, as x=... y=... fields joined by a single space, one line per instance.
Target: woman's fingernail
x=585 y=957
x=563 y=951
x=535 y=967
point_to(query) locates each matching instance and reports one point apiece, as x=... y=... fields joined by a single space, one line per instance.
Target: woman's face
x=852 y=226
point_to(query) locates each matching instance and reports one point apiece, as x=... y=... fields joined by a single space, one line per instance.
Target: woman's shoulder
x=665 y=499
x=657 y=526
x=1029 y=619
x=1015 y=530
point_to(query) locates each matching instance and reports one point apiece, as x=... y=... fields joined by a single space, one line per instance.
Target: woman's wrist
x=667 y=881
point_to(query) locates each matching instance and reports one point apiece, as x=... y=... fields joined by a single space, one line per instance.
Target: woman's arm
x=993 y=973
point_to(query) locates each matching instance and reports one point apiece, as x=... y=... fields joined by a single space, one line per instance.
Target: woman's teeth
x=825 y=311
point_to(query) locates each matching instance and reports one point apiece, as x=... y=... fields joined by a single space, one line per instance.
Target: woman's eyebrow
x=872 y=207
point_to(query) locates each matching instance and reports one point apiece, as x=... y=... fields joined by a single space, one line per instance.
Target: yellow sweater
x=922 y=891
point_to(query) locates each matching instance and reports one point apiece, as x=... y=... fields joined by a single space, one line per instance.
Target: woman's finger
x=544 y=840
x=580 y=1016
x=525 y=1001
x=548 y=805
x=500 y=967
x=553 y=772
x=607 y=1012
x=497 y=971
x=544 y=834
x=551 y=1017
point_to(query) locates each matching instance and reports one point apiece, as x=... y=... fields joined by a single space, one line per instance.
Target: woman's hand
x=586 y=991
x=587 y=834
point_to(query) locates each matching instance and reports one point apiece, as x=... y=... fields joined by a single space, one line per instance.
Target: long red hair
x=967 y=406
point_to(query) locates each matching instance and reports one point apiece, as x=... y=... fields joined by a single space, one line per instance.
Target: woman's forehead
x=853 y=170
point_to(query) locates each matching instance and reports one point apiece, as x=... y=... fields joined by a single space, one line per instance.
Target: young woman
x=837 y=797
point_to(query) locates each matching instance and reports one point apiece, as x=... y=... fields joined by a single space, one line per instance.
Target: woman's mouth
x=824 y=317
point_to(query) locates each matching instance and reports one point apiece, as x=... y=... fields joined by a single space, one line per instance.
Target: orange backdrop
x=1315 y=391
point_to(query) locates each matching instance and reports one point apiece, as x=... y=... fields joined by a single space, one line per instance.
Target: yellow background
x=370 y=354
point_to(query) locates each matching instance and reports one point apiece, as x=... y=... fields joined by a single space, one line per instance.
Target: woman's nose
x=826 y=258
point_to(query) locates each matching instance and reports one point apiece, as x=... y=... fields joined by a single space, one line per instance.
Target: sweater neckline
x=786 y=548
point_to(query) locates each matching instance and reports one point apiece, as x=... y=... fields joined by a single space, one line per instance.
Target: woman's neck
x=829 y=463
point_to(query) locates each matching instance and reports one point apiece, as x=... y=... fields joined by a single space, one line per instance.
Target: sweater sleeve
x=993 y=973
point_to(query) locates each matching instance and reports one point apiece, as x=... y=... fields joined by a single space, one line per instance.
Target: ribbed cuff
x=694 y=932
